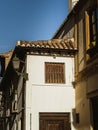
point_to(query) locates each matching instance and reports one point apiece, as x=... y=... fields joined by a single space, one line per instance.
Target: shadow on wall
x=75 y=117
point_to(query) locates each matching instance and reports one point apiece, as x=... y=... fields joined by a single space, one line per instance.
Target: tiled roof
x=48 y=44
x=7 y=54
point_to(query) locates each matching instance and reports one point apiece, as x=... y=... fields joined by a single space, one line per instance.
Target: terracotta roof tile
x=51 y=44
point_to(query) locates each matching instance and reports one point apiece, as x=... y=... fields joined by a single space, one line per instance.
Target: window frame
x=93 y=24
x=54 y=72
x=91 y=43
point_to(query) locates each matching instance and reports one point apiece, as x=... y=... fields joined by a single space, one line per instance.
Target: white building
x=42 y=97
x=49 y=96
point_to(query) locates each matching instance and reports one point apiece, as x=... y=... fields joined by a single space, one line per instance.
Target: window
x=54 y=72
x=92 y=31
x=94 y=111
x=93 y=19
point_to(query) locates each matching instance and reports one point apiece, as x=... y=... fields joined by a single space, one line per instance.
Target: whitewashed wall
x=42 y=97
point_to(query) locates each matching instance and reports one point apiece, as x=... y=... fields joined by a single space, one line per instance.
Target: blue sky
x=29 y=20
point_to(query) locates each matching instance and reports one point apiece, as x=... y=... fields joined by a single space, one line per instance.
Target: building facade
x=82 y=26
x=39 y=94
x=41 y=102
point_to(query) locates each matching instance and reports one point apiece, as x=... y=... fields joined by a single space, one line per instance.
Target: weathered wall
x=82 y=106
x=76 y=22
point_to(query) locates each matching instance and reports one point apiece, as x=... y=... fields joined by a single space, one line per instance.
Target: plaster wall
x=42 y=97
x=82 y=106
x=92 y=83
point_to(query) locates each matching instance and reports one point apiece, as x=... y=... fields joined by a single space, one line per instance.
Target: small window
x=92 y=31
x=93 y=17
x=54 y=72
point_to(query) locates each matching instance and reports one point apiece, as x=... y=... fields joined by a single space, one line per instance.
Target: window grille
x=54 y=72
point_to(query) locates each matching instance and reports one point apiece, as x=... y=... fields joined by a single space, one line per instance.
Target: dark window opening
x=93 y=18
x=94 y=106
